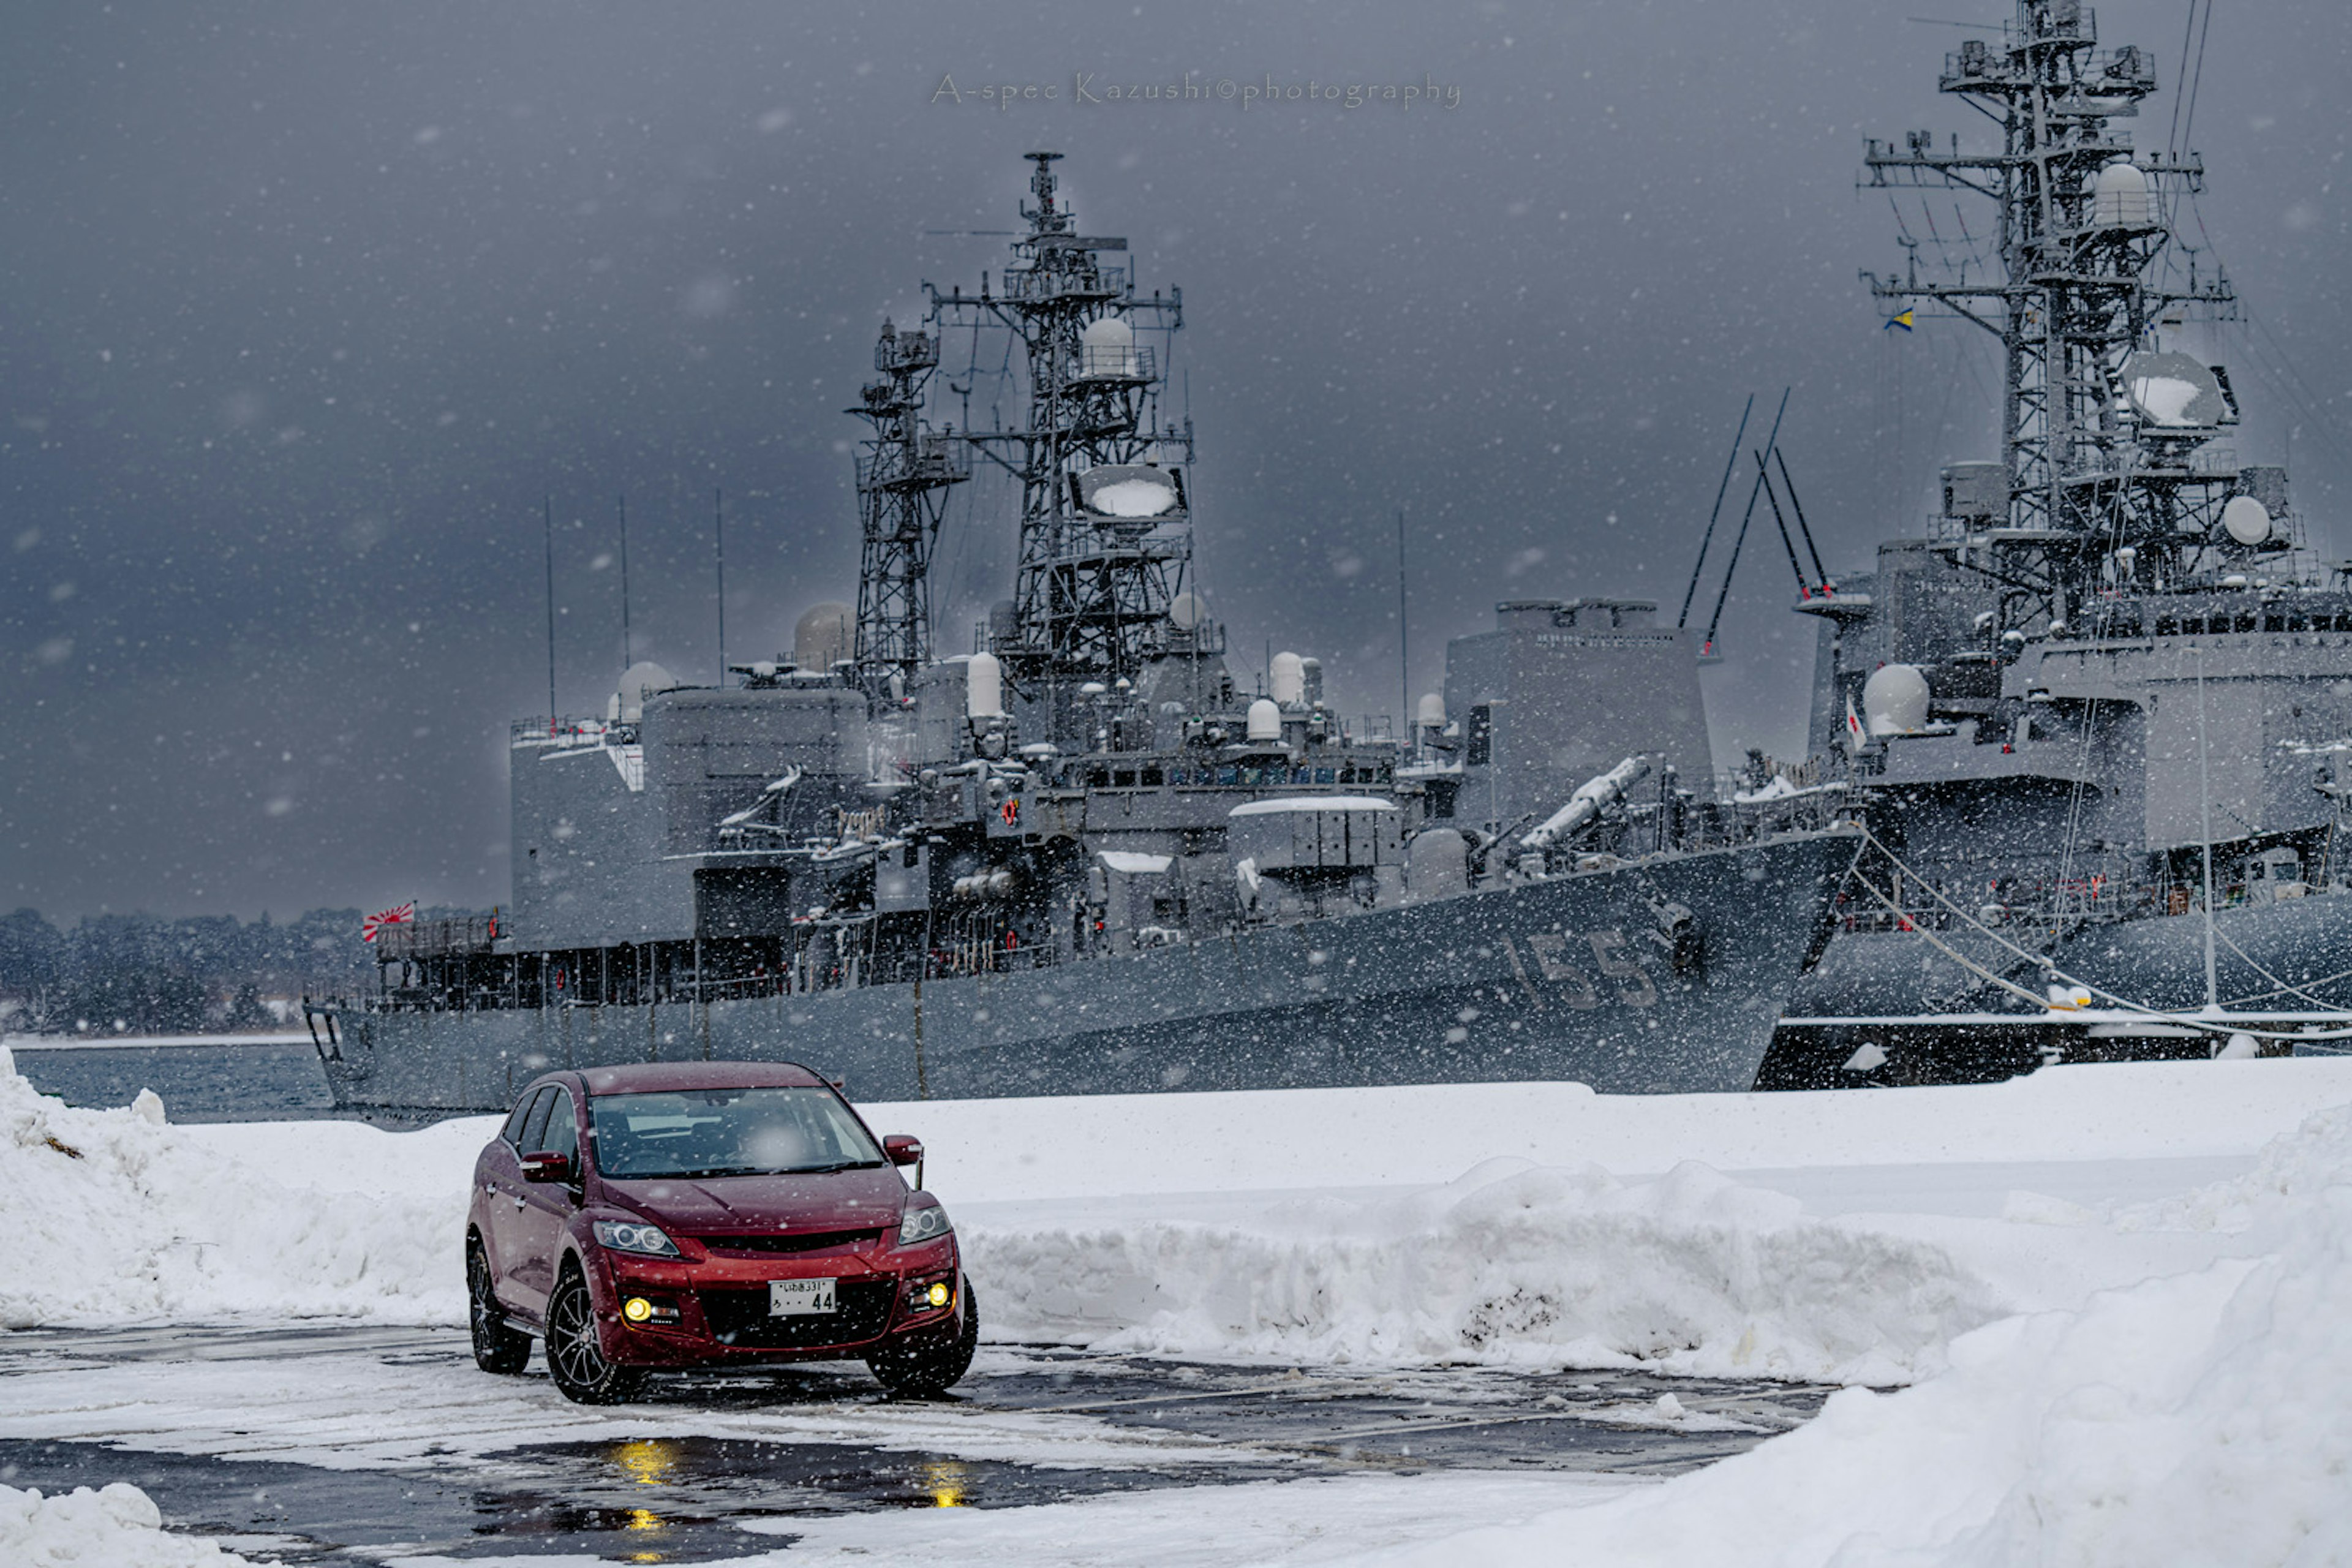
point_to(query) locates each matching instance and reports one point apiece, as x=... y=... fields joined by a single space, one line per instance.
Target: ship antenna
x=1820 y=573
x=1707 y=538
x=547 y=523
x=719 y=554
x=2205 y=822
x=1404 y=639
x=627 y=657
x=1771 y=444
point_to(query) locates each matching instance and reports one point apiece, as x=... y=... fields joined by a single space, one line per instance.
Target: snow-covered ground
x=2118 y=1290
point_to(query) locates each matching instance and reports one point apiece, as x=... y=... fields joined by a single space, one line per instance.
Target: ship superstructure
x=2108 y=688
x=1081 y=857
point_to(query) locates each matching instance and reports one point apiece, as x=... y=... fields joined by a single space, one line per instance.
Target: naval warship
x=2095 y=713
x=1081 y=857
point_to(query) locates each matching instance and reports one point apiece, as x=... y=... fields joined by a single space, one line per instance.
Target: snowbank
x=134 y=1218
x=114 y=1528
x=1092 y=1145
x=2197 y=1418
x=1512 y=1263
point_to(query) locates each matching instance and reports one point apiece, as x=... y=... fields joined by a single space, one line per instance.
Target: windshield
x=727 y=1132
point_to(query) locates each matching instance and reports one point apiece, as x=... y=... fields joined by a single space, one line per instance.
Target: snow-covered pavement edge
x=114 y=1527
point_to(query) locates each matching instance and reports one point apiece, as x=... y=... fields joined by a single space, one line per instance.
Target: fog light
x=938 y=1294
x=637 y=1309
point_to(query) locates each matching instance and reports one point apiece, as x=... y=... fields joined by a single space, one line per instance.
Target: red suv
x=708 y=1214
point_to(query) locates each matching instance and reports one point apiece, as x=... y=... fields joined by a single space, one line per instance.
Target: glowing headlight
x=939 y=1294
x=629 y=1235
x=637 y=1309
x=923 y=1225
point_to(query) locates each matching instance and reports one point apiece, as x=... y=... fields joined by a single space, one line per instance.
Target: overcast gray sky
x=303 y=308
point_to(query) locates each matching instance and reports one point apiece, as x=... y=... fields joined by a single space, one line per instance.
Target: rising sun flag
x=400 y=914
x=1900 y=319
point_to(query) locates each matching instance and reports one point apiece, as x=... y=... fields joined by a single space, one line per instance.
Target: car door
x=504 y=1193
x=546 y=1207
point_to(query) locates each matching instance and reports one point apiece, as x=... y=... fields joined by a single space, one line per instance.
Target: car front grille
x=804 y=1241
x=739 y=1318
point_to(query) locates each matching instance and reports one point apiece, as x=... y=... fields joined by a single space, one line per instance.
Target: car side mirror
x=546 y=1166
x=901 y=1149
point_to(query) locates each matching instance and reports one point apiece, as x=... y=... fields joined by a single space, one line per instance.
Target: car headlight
x=923 y=1225
x=630 y=1235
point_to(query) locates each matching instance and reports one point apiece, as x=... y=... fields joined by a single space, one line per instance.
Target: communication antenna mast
x=2099 y=432
x=903 y=478
x=628 y=655
x=1105 y=540
x=547 y=530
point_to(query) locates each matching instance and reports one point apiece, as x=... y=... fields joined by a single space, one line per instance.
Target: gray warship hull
x=2283 y=966
x=1556 y=979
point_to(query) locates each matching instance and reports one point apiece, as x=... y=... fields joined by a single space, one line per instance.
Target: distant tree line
x=143 y=975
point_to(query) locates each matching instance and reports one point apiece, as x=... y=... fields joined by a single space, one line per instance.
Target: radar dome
x=1265 y=720
x=1186 y=612
x=2246 y=519
x=2120 y=198
x=984 y=687
x=1429 y=712
x=821 y=637
x=1894 y=700
x=1286 y=680
x=639 y=681
x=1106 y=347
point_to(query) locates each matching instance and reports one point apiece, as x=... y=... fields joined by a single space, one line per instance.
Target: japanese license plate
x=791 y=1298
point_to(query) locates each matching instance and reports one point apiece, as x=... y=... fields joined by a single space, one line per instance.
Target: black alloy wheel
x=931 y=1366
x=575 y=1358
x=498 y=1345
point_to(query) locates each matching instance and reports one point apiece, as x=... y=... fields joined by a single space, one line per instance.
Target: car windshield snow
x=727 y=1132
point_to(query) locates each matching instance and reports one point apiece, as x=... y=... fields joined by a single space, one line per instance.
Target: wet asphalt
x=685 y=1498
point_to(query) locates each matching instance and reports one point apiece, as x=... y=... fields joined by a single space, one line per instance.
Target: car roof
x=659 y=1077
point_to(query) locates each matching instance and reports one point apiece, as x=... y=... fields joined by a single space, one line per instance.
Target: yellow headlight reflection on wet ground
x=641 y=1518
x=945 y=1480
x=647 y=1461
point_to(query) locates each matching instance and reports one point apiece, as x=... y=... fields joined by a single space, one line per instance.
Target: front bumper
x=714 y=1310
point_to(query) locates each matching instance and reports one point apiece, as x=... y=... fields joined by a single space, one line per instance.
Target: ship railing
x=2094 y=899
x=858 y=971
x=567 y=729
x=937 y=460
x=1040 y=285
x=1136 y=364
x=449 y=999
x=455 y=937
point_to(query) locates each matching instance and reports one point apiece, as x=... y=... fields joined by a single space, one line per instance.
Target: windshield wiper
x=760 y=1170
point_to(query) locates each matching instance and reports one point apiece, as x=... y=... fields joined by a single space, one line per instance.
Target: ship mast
x=1101 y=558
x=2100 y=432
x=902 y=483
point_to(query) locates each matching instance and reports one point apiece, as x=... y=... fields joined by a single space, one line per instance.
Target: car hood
x=736 y=1206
